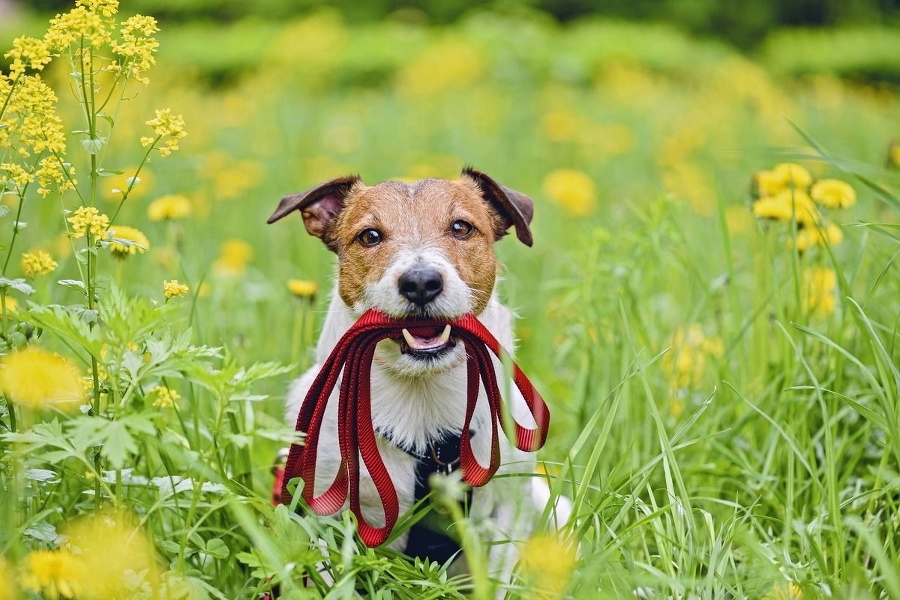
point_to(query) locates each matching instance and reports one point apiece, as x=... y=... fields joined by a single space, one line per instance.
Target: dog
x=425 y=250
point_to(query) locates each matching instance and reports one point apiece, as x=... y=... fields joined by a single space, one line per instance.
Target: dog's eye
x=461 y=230
x=369 y=237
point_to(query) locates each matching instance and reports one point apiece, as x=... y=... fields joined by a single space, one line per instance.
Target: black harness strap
x=427 y=539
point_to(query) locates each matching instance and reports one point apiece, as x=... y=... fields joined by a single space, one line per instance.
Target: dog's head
x=423 y=249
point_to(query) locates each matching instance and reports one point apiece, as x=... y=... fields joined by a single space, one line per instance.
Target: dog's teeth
x=410 y=340
x=445 y=335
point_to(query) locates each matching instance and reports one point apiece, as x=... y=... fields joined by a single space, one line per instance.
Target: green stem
x=12 y=414
x=9 y=96
x=15 y=231
x=133 y=180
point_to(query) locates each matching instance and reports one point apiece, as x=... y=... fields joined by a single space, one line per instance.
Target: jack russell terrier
x=424 y=250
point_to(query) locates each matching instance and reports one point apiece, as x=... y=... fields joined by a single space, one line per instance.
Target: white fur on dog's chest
x=409 y=413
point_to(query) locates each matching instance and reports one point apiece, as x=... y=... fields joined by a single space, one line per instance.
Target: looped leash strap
x=356 y=434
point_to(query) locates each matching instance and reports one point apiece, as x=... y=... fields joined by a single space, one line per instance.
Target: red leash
x=356 y=434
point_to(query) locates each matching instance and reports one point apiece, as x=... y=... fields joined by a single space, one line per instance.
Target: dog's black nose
x=421 y=286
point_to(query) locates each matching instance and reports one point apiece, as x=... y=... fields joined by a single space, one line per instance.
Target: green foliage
x=719 y=433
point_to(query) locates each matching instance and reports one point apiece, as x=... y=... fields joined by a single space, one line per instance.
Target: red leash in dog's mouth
x=356 y=433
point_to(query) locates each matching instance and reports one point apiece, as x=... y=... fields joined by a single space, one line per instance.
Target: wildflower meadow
x=710 y=308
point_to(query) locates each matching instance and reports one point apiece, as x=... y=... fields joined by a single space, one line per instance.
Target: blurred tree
x=739 y=22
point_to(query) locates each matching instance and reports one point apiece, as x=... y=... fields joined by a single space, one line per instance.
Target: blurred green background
x=743 y=23
x=654 y=307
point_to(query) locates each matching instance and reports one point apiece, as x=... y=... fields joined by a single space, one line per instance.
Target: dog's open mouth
x=426 y=342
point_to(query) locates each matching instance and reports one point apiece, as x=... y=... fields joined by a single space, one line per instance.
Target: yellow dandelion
x=37 y=263
x=165 y=397
x=893 y=155
x=87 y=219
x=571 y=189
x=11 y=304
x=170 y=208
x=833 y=193
x=7 y=582
x=784 y=591
x=37 y=378
x=559 y=125
x=548 y=561
x=792 y=175
x=233 y=258
x=815 y=235
x=685 y=363
x=125 y=241
x=137 y=186
x=111 y=544
x=785 y=204
x=53 y=573
x=303 y=288
x=818 y=287
x=766 y=183
x=172 y=288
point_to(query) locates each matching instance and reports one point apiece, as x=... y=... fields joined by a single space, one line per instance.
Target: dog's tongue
x=426 y=338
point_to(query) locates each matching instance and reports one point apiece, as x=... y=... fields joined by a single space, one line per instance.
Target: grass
x=719 y=436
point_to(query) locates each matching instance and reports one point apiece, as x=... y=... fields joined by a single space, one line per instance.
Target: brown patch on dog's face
x=391 y=219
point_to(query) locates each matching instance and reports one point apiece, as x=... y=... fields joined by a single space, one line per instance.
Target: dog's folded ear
x=318 y=206
x=515 y=208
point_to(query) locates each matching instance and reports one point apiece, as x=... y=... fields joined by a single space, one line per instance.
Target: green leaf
x=42 y=531
x=118 y=444
x=217 y=549
x=94 y=145
x=72 y=283
x=19 y=285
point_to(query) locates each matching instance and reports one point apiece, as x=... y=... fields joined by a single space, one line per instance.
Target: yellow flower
x=766 y=183
x=233 y=258
x=87 y=219
x=303 y=288
x=784 y=591
x=11 y=304
x=27 y=52
x=7 y=583
x=36 y=378
x=685 y=363
x=893 y=158
x=78 y=26
x=559 y=125
x=139 y=242
x=53 y=573
x=818 y=287
x=548 y=562
x=165 y=397
x=783 y=177
x=442 y=66
x=816 y=235
x=31 y=129
x=571 y=189
x=172 y=288
x=786 y=203
x=833 y=193
x=792 y=175
x=169 y=208
x=137 y=46
x=165 y=125
x=117 y=558
x=37 y=263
